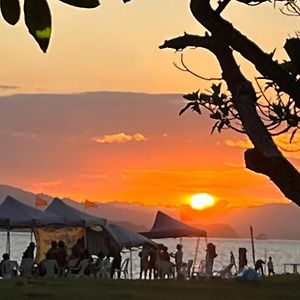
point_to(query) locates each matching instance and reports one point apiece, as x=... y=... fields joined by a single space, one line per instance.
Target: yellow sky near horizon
x=115 y=48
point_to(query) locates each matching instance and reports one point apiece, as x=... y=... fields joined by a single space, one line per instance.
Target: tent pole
x=130 y=251
x=31 y=235
x=196 y=253
x=252 y=243
x=8 y=241
x=84 y=238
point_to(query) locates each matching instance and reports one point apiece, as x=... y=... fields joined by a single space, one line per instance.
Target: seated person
x=8 y=268
x=48 y=267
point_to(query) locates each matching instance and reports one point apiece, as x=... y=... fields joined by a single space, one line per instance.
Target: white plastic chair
x=124 y=268
x=80 y=269
x=103 y=268
x=189 y=267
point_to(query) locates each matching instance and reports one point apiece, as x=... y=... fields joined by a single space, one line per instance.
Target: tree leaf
x=196 y=108
x=185 y=108
x=191 y=97
x=82 y=3
x=214 y=127
x=205 y=97
x=215 y=116
x=221 y=125
x=216 y=88
x=10 y=10
x=38 y=21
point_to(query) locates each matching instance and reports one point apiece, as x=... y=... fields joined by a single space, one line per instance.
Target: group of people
x=156 y=262
x=259 y=266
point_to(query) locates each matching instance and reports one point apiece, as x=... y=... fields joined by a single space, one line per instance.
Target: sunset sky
x=121 y=146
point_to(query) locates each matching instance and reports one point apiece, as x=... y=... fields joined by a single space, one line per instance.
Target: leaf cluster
x=281 y=114
x=37 y=16
x=217 y=103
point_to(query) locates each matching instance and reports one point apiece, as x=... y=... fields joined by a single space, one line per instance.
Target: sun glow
x=202 y=201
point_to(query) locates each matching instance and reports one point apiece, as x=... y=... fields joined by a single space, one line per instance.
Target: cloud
x=243 y=143
x=43 y=185
x=19 y=134
x=290 y=150
x=8 y=87
x=119 y=138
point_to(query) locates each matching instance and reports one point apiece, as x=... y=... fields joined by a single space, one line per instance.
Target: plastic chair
x=189 y=267
x=102 y=268
x=124 y=269
x=80 y=269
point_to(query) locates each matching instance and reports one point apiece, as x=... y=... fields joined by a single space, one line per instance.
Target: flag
x=88 y=204
x=39 y=201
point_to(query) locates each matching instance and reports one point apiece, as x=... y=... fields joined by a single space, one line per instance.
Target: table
x=293 y=265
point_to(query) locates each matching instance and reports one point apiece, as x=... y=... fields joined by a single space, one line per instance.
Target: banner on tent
x=44 y=237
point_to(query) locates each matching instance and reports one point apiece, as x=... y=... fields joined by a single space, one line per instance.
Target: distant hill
x=276 y=221
x=220 y=230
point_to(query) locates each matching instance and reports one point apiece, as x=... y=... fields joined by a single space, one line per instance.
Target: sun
x=202 y=201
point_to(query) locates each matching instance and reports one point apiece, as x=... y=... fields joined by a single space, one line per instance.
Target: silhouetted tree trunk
x=222 y=40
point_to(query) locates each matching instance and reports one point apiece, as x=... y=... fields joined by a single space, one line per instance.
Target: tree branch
x=265 y=158
x=263 y=62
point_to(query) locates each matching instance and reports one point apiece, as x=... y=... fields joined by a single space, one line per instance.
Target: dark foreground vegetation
x=281 y=288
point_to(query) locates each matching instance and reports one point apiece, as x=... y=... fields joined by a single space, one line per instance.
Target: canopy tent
x=114 y=238
x=165 y=226
x=15 y=214
x=71 y=216
x=127 y=238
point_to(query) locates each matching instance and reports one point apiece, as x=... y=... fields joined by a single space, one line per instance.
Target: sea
x=282 y=251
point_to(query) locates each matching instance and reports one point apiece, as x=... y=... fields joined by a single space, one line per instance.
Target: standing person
x=52 y=252
x=29 y=252
x=61 y=258
x=153 y=263
x=270 y=267
x=259 y=266
x=209 y=259
x=116 y=265
x=144 y=263
x=26 y=266
x=178 y=258
x=242 y=259
x=232 y=261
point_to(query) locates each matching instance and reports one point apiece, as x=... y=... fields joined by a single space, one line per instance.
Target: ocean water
x=282 y=251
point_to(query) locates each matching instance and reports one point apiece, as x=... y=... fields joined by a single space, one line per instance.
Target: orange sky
x=130 y=148
x=123 y=147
